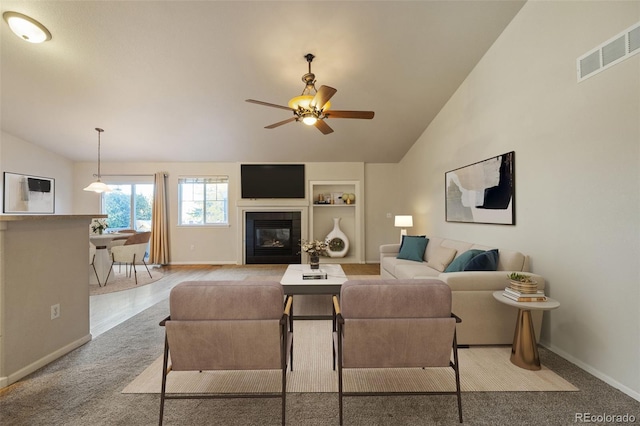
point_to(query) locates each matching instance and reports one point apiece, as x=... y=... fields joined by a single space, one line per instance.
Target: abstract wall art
x=28 y=194
x=483 y=192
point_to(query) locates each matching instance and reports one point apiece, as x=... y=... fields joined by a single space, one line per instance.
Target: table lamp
x=403 y=222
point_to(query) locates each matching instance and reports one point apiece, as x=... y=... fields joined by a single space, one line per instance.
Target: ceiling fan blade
x=322 y=96
x=323 y=127
x=349 y=114
x=253 y=101
x=280 y=123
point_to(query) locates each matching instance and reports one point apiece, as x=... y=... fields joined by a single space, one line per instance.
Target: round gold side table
x=524 y=351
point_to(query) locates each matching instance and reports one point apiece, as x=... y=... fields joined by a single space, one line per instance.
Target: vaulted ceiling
x=167 y=80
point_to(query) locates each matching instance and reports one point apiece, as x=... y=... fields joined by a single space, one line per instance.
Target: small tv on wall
x=272 y=180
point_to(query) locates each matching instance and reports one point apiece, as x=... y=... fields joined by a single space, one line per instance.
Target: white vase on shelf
x=337 y=240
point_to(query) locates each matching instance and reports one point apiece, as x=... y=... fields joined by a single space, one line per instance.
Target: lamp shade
x=403 y=221
x=98 y=187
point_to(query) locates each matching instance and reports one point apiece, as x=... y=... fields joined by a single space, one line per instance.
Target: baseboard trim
x=25 y=371
x=594 y=372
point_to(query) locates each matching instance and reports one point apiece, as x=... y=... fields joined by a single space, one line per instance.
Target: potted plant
x=98 y=226
x=314 y=249
x=522 y=282
x=521 y=278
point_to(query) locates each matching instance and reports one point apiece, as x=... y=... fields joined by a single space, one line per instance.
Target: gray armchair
x=395 y=324
x=227 y=325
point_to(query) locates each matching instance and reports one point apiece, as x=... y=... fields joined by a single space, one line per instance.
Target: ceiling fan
x=312 y=106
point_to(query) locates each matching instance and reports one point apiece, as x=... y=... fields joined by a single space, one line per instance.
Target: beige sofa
x=485 y=321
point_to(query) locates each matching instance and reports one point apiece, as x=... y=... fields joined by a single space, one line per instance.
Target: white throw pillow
x=441 y=258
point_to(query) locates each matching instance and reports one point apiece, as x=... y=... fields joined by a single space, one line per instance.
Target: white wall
x=22 y=157
x=211 y=244
x=381 y=205
x=577 y=174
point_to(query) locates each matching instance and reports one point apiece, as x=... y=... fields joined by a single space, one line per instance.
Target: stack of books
x=314 y=274
x=524 y=292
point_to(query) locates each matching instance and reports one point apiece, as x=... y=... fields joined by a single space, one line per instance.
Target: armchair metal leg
x=164 y=378
x=456 y=369
x=95 y=271
x=145 y=265
x=109 y=274
x=133 y=265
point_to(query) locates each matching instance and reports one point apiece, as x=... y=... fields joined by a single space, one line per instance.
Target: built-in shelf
x=334 y=205
x=351 y=215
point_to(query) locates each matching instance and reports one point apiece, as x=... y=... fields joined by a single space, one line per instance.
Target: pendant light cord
x=99 y=130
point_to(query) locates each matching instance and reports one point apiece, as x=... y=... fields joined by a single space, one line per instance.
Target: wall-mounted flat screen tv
x=272 y=180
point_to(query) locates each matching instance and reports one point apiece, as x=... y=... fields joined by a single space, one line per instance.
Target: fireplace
x=272 y=237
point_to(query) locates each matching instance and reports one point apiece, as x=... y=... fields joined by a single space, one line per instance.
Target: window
x=129 y=206
x=203 y=200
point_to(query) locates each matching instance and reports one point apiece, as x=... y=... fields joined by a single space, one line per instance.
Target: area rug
x=118 y=280
x=482 y=369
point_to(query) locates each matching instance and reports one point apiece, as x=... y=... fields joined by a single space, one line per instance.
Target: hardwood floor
x=109 y=310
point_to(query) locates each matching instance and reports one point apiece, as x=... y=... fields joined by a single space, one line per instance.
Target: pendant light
x=98 y=186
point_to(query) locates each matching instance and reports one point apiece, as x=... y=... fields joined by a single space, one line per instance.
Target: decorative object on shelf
x=98 y=226
x=337 y=241
x=403 y=222
x=314 y=249
x=349 y=198
x=483 y=192
x=98 y=186
x=336 y=198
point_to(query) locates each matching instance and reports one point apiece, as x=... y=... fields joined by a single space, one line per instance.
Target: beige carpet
x=482 y=369
x=119 y=281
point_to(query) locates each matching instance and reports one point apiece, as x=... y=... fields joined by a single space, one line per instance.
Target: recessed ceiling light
x=26 y=28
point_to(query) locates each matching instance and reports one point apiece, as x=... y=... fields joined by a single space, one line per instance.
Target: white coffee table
x=524 y=351
x=293 y=283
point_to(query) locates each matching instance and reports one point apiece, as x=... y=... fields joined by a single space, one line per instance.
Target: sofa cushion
x=413 y=248
x=512 y=261
x=407 y=269
x=487 y=261
x=461 y=261
x=441 y=258
x=404 y=236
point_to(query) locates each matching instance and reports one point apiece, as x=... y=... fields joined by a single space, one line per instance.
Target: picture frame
x=482 y=192
x=28 y=194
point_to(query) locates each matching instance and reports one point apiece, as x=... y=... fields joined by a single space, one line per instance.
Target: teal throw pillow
x=413 y=248
x=404 y=236
x=458 y=264
x=487 y=261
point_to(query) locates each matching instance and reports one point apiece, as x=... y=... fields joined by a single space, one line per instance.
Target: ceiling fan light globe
x=309 y=120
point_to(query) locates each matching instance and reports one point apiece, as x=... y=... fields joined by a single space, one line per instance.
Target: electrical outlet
x=55 y=311
x=388 y=215
x=193 y=247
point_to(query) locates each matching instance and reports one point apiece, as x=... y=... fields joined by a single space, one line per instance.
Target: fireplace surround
x=272 y=237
